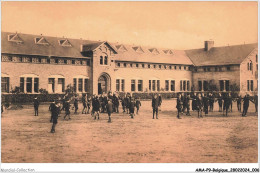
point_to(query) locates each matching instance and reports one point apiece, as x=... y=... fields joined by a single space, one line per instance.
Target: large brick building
x=35 y=61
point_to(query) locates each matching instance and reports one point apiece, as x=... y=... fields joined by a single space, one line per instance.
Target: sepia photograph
x=129 y=82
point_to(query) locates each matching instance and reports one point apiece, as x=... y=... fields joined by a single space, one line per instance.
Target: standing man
x=199 y=105
x=160 y=101
x=211 y=102
x=245 y=105
x=67 y=109
x=132 y=107
x=188 y=104
x=138 y=105
x=179 y=105
x=76 y=104
x=116 y=103
x=226 y=104
x=55 y=114
x=155 y=105
x=256 y=102
x=96 y=107
x=52 y=109
x=205 y=104
x=109 y=109
x=36 y=106
x=239 y=100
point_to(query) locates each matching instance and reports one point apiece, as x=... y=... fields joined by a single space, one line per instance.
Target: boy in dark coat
x=51 y=109
x=76 y=105
x=67 y=109
x=109 y=109
x=132 y=107
x=227 y=102
x=36 y=106
x=155 y=105
x=179 y=106
x=138 y=105
x=220 y=102
x=96 y=107
x=84 y=103
x=245 y=105
x=55 y=114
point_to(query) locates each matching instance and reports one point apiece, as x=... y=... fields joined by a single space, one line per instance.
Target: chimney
x=208 y=45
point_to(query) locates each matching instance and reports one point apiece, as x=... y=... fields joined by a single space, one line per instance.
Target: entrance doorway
x=103 y=83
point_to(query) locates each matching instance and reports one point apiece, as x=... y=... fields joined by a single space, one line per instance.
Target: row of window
x=154 y=85
x=31 y=85
x=63 y=61
x=209 y=69
x=153 y=66
x=250 y=85
x=205 y=85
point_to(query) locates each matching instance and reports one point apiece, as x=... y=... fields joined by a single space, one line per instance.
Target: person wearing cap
x=179 y=105
x=155 y=105
x=55 y=115
x=36 y=106
x=138 y=105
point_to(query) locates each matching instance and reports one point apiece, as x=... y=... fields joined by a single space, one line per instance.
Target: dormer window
x=65 y=43
x=121 y=48
x=15 y=38
x=41 y=40
x=168 y=52
x=154 y=51
x=138 y=49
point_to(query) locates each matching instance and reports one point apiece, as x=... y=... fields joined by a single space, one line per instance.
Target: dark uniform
x=138 y=105
x=211 y=102
x=109 y=110
x=55 y=114
x=186 y=104
x=155 y=105
x=199 y=105
x=205 y=100
x=96 y=106
x=132 y=108
x=76 y=105
x=179 y=106
x=245 y=105
x=227 y=102
x=52 y=107
x=116 y=103
x=256 y=103
x=89 y=104
x=67 y=109
x=36 y=106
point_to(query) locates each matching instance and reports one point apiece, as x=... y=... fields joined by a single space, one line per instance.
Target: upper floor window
x=143 y=65
x=180 y=67
x=101 y=60
x=208 y=69
x=228 y=68
x=170 y=67
x=137 y=65
x=118 y=64
x=124 y=64
x=5 y=84
x=149 y=66
x=160 y=66
x=105 y=60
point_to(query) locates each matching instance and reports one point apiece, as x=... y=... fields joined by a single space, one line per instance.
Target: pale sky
x=175 y=25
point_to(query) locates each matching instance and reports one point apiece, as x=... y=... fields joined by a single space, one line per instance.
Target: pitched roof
x=28 y=46
x=144 y=54
x=221 y=55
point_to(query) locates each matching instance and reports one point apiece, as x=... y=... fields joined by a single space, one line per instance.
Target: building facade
x=33 y=62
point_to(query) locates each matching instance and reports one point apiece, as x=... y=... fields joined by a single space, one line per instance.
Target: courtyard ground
x=215 y=139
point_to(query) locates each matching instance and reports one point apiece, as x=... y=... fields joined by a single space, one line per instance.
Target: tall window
x=52 y=84
x=227 y=85
x=75 y=84
x=158 y=85
x=105 y=60
x=101 y=60
x=200 y=85
x=181 y=85
x=172 y=85
x=250 y=85
x=29 y=85
x=188 y=85
x=150 y=85
x=122 y=84
x=154 y=85
x=117 y=84
x=166 y=85
x=61 y=84
x=5 y=84
x=132 y=85
x=36 y=85
x=184 y=85
x=21 y=84
x=80 y=85
x=205 y=85
x=86 y=85
x=140 y=85
x=221 y=85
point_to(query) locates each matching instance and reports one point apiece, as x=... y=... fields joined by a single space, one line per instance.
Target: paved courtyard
x=26 y=138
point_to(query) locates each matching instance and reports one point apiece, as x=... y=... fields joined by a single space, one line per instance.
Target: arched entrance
x=103 y=83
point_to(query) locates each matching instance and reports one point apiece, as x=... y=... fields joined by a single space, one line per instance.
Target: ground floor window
x=150 y=85
x=51 y=85
x=153 y=85
x=5 y=84
x=140 y=85
x=29 y=84
x=80 y=84
x=36 y=85
x=158 y=85
x=172 y=85
x=122 y=85
x=132 y=85
x=86 y=85
x=61 y=85
x=200 y=85
x=250 y=85
x=118 y=85
x=167 y=85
